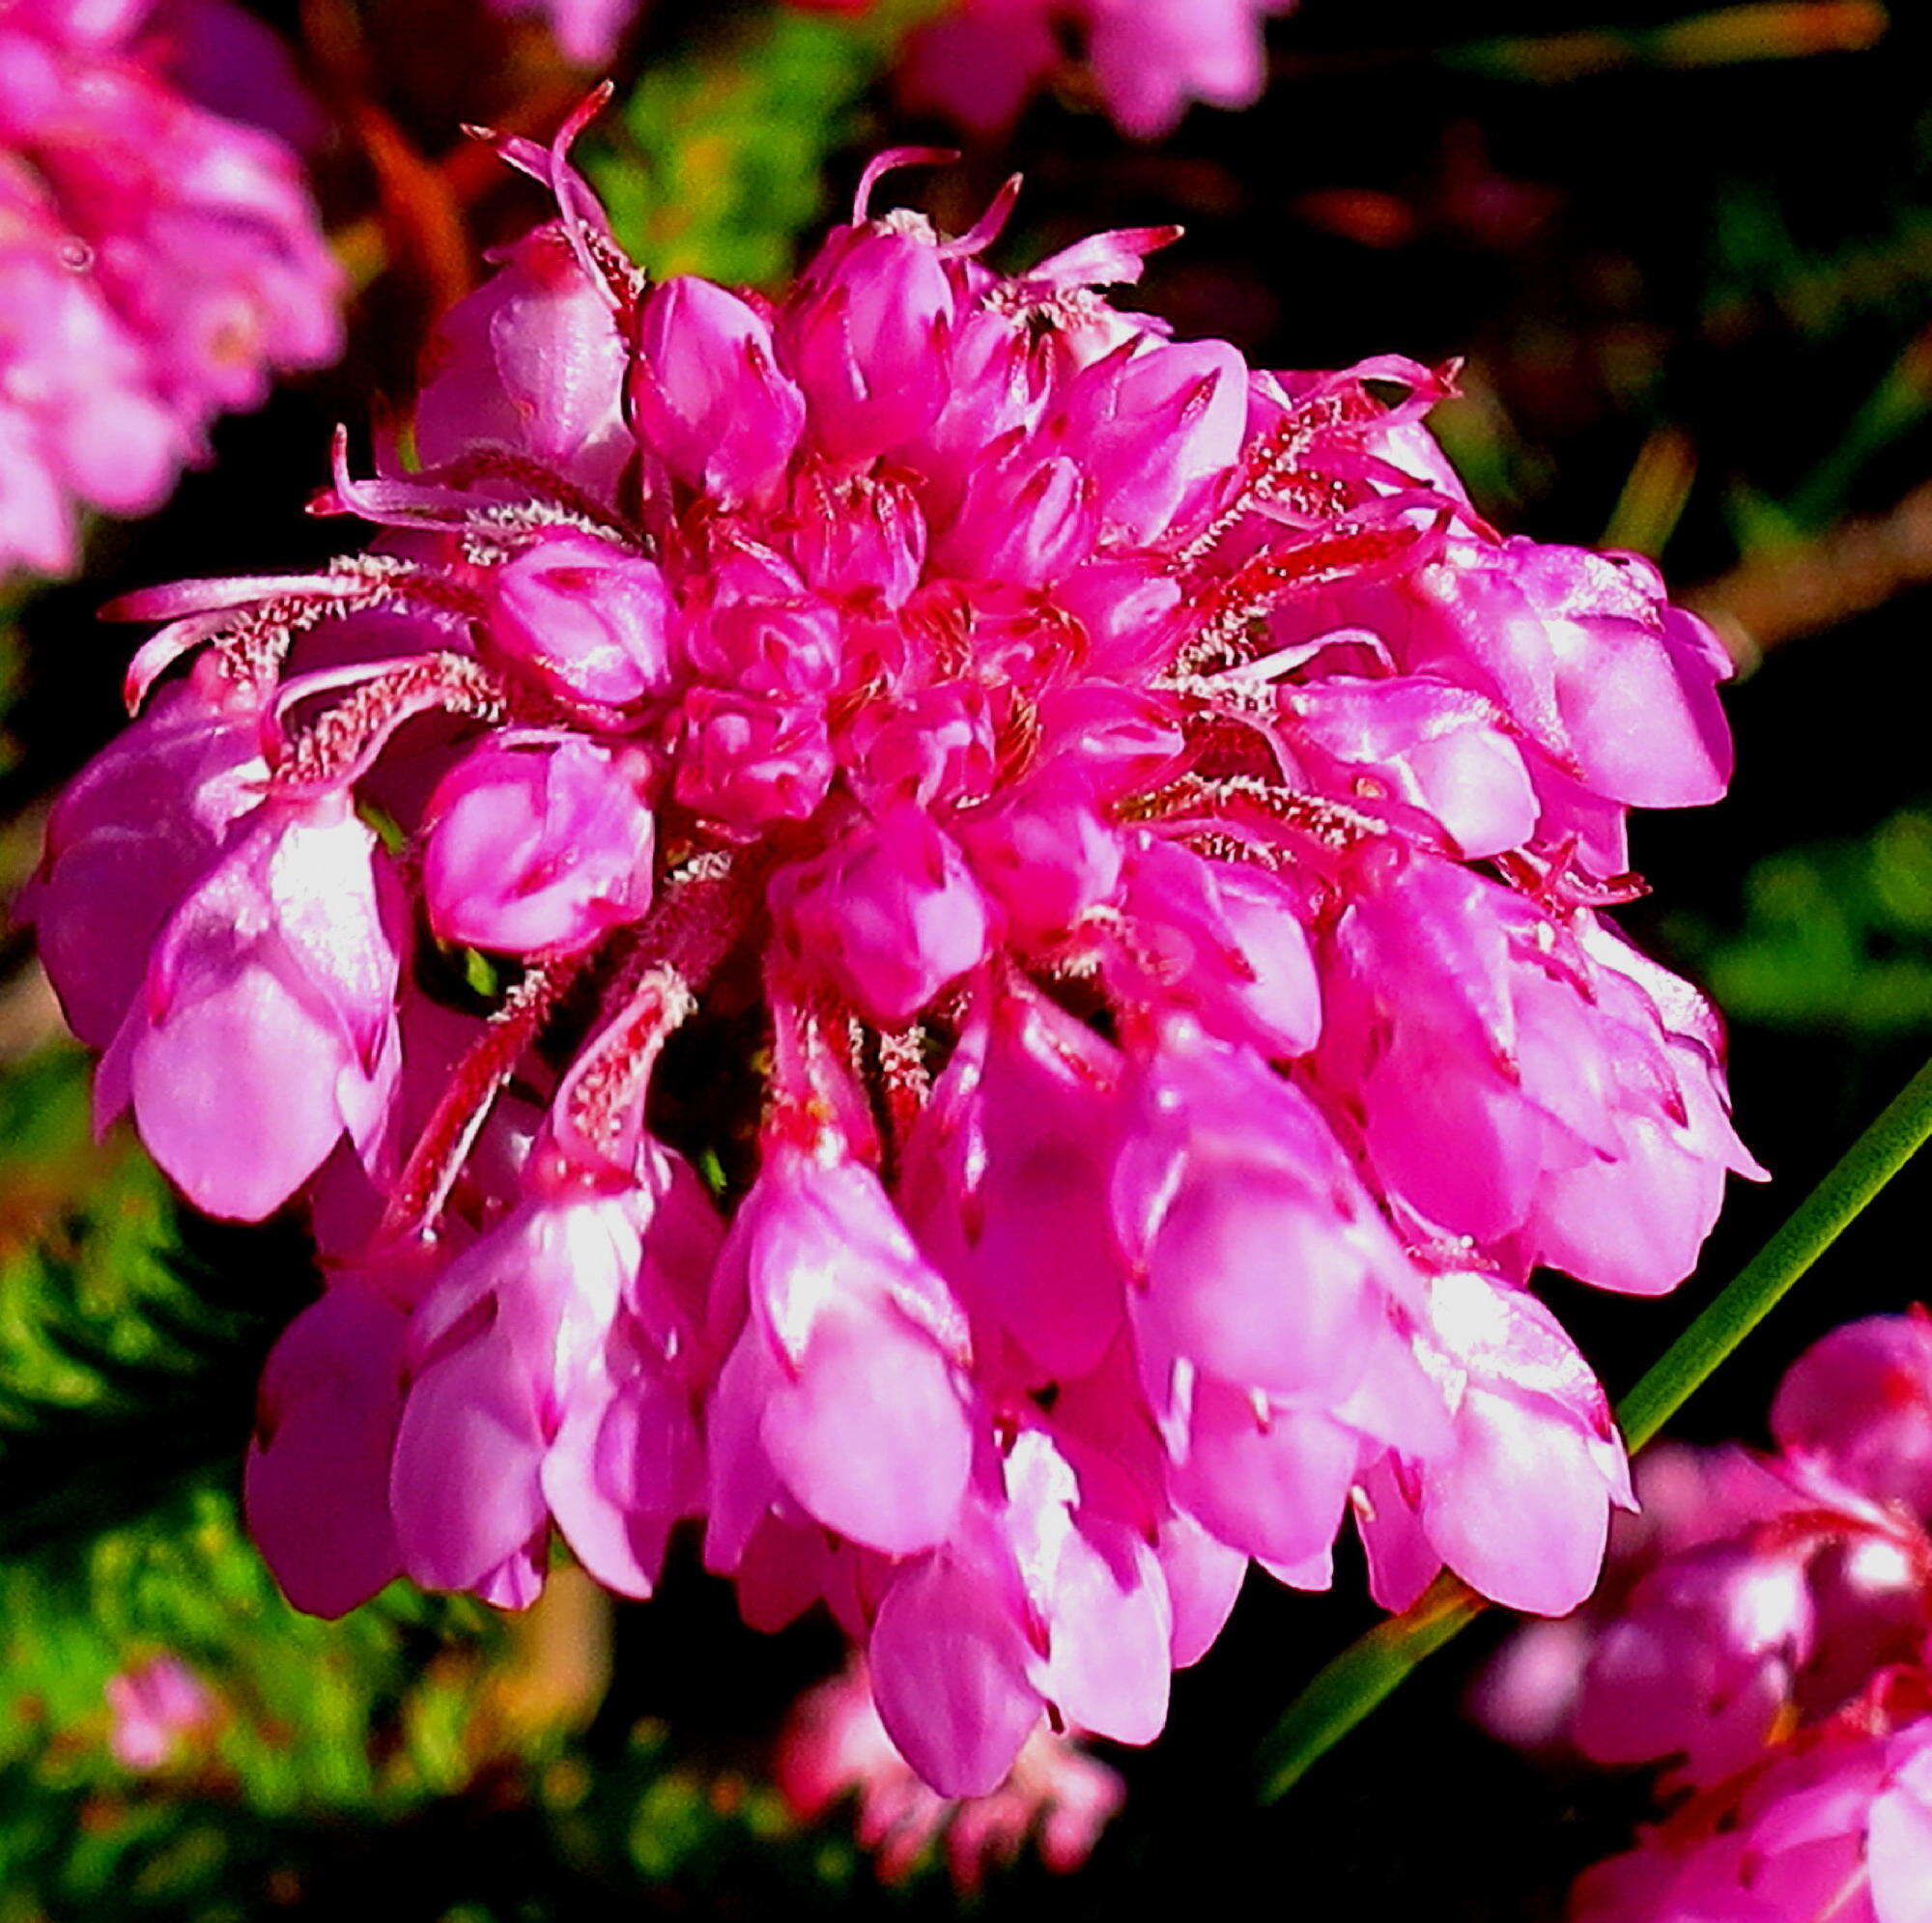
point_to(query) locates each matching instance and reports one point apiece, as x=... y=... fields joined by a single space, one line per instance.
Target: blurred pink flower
x=834 y=1747
x=1762 y=1631
x=159 y=256
x=588 y=31
x=1755 y=1594
x=1836 y=1825
x=154 y=1707
x=982 y=60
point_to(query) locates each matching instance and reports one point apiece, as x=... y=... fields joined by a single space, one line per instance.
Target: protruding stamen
x=339 y=748
x=422 y=1190
x=598 y=1118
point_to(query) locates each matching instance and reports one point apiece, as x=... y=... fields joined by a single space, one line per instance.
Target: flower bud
x=707 y=394
x=536 y=845
x=891 y=915
x=587 y=622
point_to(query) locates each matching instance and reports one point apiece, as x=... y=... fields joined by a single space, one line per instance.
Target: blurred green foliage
x=1836 y=936
x=126 y=1362
x=719 y=160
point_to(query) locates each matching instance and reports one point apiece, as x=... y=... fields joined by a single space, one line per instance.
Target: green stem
x=1813 y=1225
x=1344 y=1691
x=1372 y=1667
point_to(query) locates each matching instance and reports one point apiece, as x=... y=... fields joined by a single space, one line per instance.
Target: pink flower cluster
x=1765 y=1630
x=1149 y=60
x=915 y=921
x=158 y=258
x=836 y=1747
x=980 y=61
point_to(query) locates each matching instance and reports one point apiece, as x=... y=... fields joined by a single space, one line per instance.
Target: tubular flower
x=1764 y=1630
x=1756 y=1593
x=159 y=257
x=873 y=747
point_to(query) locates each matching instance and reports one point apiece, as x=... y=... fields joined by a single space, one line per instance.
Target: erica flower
x=159 y=258
x=1837 y=1826
x=887 y=749
x=834 y=1747
x=1756 y=1593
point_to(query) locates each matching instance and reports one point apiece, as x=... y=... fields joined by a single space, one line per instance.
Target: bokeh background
x=1685 y=258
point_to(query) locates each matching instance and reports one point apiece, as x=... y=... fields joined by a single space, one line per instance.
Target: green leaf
x=1344 y=1692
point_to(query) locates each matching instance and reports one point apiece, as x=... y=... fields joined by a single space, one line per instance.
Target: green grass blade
x=1812 y=1227
x=1344 y=1692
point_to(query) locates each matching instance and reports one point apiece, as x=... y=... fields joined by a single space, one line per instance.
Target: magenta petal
x=620 y=1472
x=871 y=1435
x=1521 y=1510
x=235 y=1095
x=1111 y=1632
x=316 y=1489
x=465 y=1489
x=1403 y=1561
x=1204 y=1580
x=1272 y=1482
x=948 y=1676
x=1898 y=1845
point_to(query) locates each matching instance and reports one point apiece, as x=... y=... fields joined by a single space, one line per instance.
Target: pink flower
x=1460 y=1012
x=267 y=1013
x=893 y=914
x=542 y=844
x=588 y=31
x=588 y=623
x=317 y=1484
x=705 y=382
x=550 y=1375
x=155 y=1706
x=982 y=60
x=162 y=260
x=531 y=364
x=835 y=1745
x=1838 y=1825
x=1037 y=1600
x=897 y=740
x=1755 y=1595
x=1519 y=1503
x=131 y=836
x=847 y=1393
x=1857 y=1406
